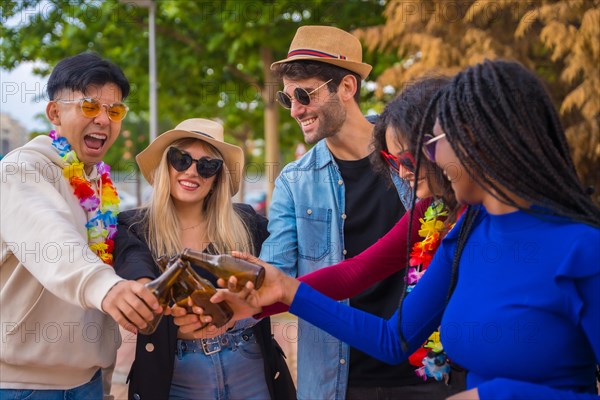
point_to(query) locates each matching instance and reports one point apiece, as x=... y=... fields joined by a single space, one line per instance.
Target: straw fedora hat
x=197 y=128
x=329 y=45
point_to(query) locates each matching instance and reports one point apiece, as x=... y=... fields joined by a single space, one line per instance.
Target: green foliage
x=210 y=54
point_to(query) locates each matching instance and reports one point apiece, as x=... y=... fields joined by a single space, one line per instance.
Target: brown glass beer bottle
x=161 y=288
x=224 y=266
x=200 y=290
x=162 y=262
x=181 y=288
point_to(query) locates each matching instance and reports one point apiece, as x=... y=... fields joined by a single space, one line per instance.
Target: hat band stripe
x=314 y=53
x=202 y=133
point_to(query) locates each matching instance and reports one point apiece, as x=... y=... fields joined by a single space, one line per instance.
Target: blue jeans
x=91 y=390
x=234 y=370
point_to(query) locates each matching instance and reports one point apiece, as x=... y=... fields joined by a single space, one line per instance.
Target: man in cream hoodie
x=58 y=300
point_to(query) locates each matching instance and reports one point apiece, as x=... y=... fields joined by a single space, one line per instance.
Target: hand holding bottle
x=195 y=318
x=131 y=305
x=276 y=287
x=193 y=290
x=161 y=289
x=195 y=324
x=190 y=290
x=194 y=310
x=225 y=266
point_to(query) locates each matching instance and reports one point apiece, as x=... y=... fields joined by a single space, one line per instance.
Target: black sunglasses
x=181 y=161
x=300 y=94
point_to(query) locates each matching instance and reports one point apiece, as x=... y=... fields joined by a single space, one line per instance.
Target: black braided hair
x=409 y=114
x=468 y=221
x=502 y=125
x=426 y=125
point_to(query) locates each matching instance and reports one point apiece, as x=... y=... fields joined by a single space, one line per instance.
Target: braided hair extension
x=408 y=114
x=501 y=124
x=411 y=114
x=492 y=132
x=500 y=121
x=468 y=221
x=468 y=218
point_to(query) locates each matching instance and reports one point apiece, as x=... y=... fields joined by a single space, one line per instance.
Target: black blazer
x=151 y=373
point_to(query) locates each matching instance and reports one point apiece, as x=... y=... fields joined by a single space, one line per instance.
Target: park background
x=212 y=58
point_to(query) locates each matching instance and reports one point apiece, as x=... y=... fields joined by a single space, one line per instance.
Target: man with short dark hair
x=330 y=205
x=58 y=207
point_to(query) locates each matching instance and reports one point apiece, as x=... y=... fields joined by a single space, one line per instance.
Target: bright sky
x=23 y=95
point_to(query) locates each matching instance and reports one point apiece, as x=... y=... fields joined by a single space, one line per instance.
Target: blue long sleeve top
x=524 y=319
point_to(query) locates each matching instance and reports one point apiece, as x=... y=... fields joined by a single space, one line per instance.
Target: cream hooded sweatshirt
x=54 y=335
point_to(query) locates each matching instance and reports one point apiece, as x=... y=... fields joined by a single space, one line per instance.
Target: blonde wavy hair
x=226 y=230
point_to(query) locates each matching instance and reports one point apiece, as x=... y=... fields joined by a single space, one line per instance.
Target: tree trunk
x=272 y=161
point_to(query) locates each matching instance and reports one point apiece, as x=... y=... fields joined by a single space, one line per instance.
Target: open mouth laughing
x=95 y=141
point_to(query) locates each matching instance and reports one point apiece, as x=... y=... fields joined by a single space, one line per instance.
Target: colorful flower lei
x=430 y=358
x=102 y=227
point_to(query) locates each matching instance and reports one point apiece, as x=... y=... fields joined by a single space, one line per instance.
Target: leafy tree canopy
x=558 y=39
x=212 y=56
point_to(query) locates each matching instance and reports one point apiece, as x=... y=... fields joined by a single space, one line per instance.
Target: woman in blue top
x=515 y=285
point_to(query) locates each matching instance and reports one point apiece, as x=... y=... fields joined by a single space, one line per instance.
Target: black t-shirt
x=372 y=209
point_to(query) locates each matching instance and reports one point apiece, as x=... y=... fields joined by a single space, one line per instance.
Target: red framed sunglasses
x=404 y=160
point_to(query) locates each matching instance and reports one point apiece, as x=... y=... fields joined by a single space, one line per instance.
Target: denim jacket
x=306 y=226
